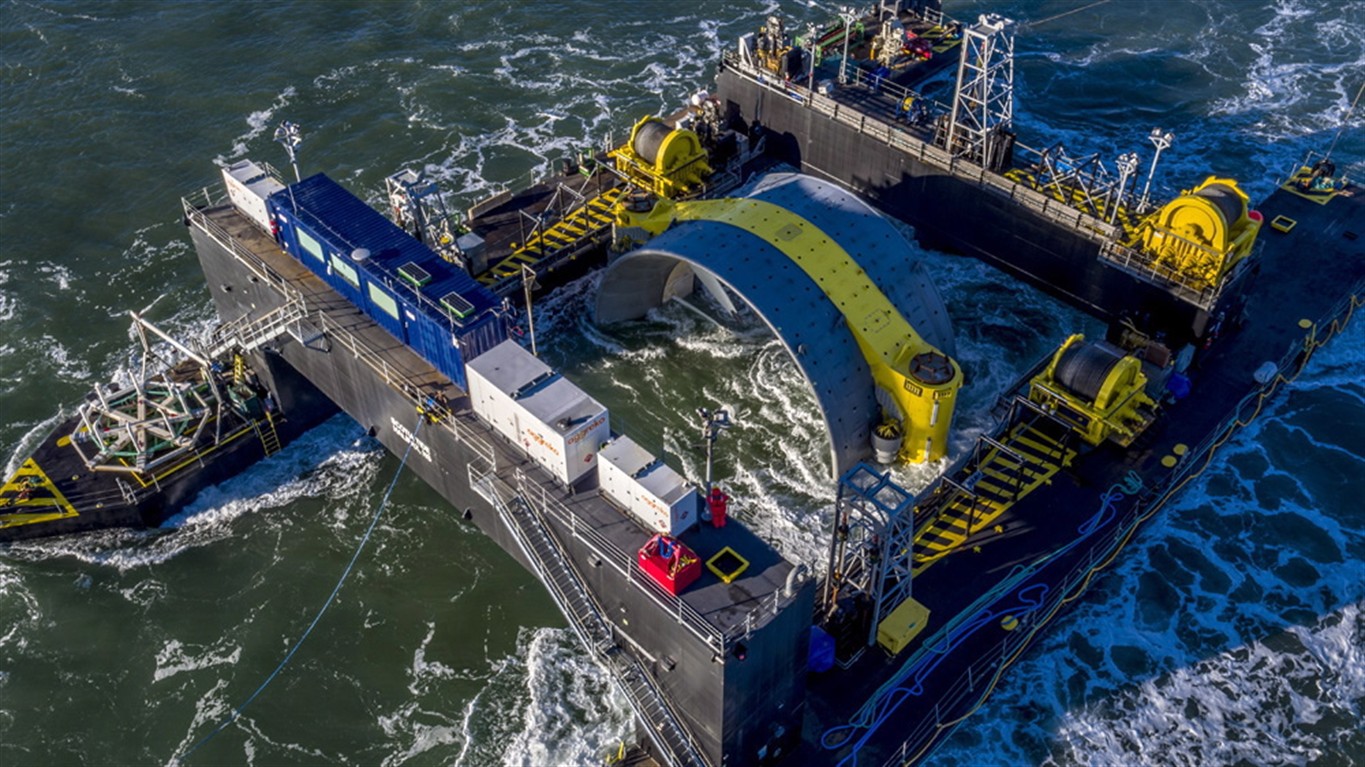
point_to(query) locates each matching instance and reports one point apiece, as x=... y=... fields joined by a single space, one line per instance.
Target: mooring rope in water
x=383 y=502
x=1040 y=22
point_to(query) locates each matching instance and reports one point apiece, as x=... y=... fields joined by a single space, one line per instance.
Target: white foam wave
x=331 y=462
x=1259 y=704
x=257 y=122
x=30 y=441
x=572 y=714
x=175 y=657
x=57 y=273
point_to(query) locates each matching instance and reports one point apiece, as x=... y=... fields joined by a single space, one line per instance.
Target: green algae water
x=1231 y=631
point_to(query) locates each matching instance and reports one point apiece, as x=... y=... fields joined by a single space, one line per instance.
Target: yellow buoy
x=1169 y=461
x=1009 y=623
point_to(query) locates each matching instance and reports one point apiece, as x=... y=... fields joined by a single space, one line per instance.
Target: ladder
x=270 y=438
x=538 y=543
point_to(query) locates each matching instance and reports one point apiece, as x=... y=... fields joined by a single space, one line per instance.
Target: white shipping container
x=248 y=185
x=649 y=489
x=525 y=400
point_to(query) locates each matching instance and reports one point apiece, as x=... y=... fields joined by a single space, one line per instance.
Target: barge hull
x=735 y=706
x=1024 y=233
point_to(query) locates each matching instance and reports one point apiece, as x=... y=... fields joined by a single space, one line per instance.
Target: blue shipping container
x=429 y=304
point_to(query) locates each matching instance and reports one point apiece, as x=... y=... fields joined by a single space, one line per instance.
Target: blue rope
x=1030 y=598
x=345 y=573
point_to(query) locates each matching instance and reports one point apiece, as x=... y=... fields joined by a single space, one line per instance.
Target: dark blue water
x=1231 y=631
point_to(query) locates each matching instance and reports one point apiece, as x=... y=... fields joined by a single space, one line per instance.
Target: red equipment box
x=670 y=563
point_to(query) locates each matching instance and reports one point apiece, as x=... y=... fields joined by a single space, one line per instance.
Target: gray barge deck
x=604 y=593
x=1043 y=551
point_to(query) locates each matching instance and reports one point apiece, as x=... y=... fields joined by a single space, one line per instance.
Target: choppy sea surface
x=1231 y=631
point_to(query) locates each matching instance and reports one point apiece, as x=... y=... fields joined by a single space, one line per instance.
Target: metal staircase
x=248 y=333
x=588 y=221
x=1001 y=472
x=549 y=562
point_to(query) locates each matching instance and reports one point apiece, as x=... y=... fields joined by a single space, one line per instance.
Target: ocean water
x=1231 y=631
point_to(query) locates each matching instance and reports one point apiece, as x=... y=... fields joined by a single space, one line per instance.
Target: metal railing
x=977 y=679
x=484 y=453
x=247 y=333
x=552 y=566
x=899 y=137
x=194 y=214
x=623 y=562
x=482 y=450
x=1200 y=292
x=483 y=464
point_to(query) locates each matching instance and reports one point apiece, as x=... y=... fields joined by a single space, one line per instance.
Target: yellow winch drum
x=1097 y=389
x=1203 y=233
x=666 y=161
x=649 y=139
x=1083 y=368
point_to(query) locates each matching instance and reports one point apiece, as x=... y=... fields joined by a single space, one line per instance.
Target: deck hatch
x=1282 y=224
x=727 y=564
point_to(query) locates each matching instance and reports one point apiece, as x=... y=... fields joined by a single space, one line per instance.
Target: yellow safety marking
x=713 y=564
x=1028 y=467
x=29 y=496
x=886 y=339
x=942 y=537
x=192 y=459
x=1321 y=197
x=574 y=227
x=992 y=488
x=1124 y=216
x=1283 y=224
x=1050 y=450
x=1001 y=476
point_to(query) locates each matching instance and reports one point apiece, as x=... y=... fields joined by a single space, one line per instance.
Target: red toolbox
x=670 y=563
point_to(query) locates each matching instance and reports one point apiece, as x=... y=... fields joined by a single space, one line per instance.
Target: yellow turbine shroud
x=670 y=162
x=920 y=379
x=1203 y=233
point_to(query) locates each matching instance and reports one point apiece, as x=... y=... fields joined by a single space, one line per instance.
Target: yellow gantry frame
x=894 y=351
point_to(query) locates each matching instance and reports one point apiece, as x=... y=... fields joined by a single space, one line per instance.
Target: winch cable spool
x=383 y=502
x=649 y=139
x=1083 y=369
x=1225 y=199
x=668 y=161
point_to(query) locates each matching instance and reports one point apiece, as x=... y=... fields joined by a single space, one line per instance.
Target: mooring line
x=383 y=502
x=1064 y=13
